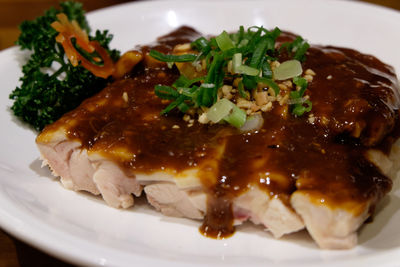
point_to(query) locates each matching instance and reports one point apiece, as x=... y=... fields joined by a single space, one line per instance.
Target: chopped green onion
x=243 y=43
x=296 y=100
x=195 y=80
x=288 y=70
x=236 y=62
x=299 y=47
x=225 y=110
x=208 y=85
x=270 y=83
x=237 y=117
x=260 y=51
x=183 y=107
x=181 y=81
x=300 y=81
x=224 y=41
x=166 y=92
x=215 y=69
x=189 y=92
x=220 y=110
x=300 y=109
x=241 y=90
x=213 y=42
x=250 y=82
x=253 y=122
x=275 y=33
x=241 y=33
x=214 y=76
x=266 y=69
x=202 y=45
x=296 y=97
x=244 y=69
x=301 y=50
x=177 y=103
x=172 y=58
x=255 y=37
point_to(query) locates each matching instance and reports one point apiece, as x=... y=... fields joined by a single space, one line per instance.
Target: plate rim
x=12 y=225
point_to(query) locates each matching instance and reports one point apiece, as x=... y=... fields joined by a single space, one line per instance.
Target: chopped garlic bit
x=310 y=72
x=182 y=47
x=311 y=118
x=186 y=117
x=283 y=100
x=275 y=64
x=203 y=118
x=243 y=103
x=266 y=107
x=226 y=91
x=125 y=97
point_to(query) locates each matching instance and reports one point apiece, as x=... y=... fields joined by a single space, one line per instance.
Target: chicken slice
x=335 y=227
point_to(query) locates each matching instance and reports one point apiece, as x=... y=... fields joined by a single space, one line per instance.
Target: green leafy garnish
x=237 y=118
x=51 y=86
x=224 y=41
x=249 y=53
x=270 y=83
x=288 y=69
x=225 y=110
x=297 y=49
x=300 y=106
x=172 y=58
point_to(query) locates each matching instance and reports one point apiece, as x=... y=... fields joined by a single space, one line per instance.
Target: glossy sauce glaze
x=355 y=102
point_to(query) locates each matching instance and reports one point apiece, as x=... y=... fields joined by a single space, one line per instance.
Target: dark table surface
x=14 y=252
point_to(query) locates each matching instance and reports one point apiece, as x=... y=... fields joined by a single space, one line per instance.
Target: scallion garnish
x=201 y=44
x=237 y=118
x=298 y=107
x=227 y=111
x=251 y=52
x=236 y=62
x=172 y=58
x=288 y=70
x=297 y=49
x=266 y=69
x=244 y=69
x=241 y=90
x=224 y=41
x=270 y=83
x=166 y=92
x=220 y=110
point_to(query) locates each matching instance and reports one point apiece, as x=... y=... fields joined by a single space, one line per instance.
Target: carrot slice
x=70 y=29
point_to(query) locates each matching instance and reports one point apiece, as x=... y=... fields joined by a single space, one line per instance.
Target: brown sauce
x=355 y=102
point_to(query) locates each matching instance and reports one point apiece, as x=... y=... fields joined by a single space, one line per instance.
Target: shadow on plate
x=36 y=167
x=301 y=238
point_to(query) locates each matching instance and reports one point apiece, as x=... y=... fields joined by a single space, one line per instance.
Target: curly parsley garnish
x=51 y=86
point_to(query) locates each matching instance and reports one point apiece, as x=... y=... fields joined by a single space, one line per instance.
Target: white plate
x=80 y=228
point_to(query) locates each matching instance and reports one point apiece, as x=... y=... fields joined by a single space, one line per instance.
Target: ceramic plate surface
x=82 y=229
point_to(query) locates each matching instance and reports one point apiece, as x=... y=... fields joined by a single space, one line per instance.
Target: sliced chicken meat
x=324 y=172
